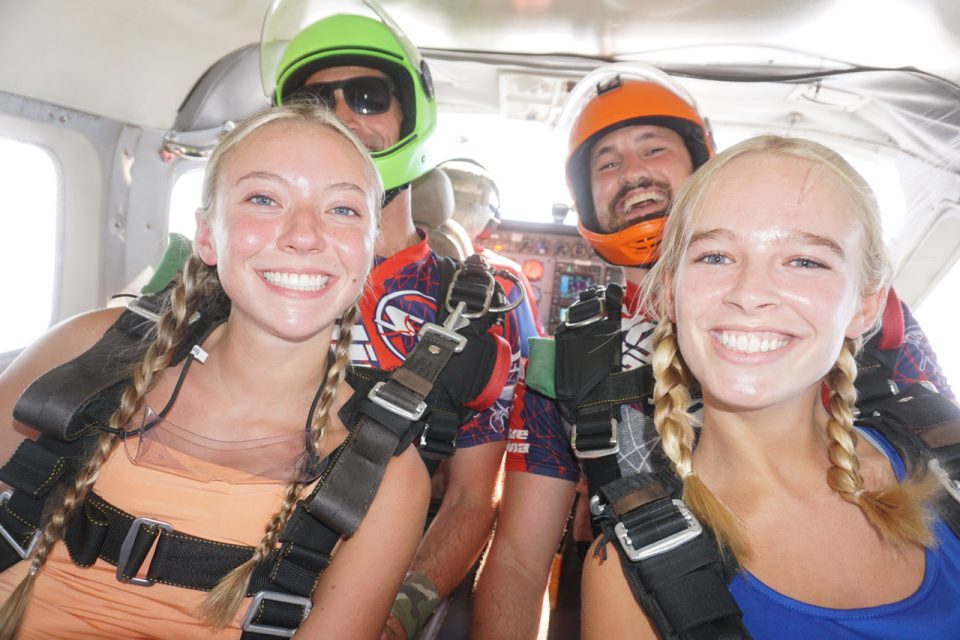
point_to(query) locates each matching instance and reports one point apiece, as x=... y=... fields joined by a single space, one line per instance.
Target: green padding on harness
x=541 y=367
x=178 y=250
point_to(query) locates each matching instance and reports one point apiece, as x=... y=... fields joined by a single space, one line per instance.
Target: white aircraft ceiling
x=136 y=60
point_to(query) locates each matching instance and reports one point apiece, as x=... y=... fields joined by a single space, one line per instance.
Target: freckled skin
x=291 y=199
x=765 y=261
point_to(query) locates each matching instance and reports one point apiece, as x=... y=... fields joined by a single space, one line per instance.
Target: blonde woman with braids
x=286 y=232
x=772 y=269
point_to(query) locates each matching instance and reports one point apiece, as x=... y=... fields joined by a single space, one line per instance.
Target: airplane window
x=526 y=157
x=184 y=200
x=29 y=181
x=937 y=315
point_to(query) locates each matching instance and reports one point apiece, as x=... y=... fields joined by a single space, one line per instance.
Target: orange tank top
x=71 y=602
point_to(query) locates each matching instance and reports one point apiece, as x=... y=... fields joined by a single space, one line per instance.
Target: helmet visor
x=285 y=19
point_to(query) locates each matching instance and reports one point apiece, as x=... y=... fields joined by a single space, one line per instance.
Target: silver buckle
x=488 y=296
x=127 y=547
x=596 y=507
x=145 y=313
x=597 y=453
x=375 y=397
x=453 y=336
x=268 y=630
x=597 y=317
x=664 y=545
x=23 y=552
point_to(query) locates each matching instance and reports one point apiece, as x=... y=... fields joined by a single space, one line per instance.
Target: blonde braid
x=674 y=423
x=897 y=512
x=184 y=298
x=223 y=601
x=336 y=376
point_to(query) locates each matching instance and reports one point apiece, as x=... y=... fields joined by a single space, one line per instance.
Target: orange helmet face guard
x=636 y=246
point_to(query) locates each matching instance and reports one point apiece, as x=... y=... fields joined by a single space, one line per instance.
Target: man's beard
x=620 y=220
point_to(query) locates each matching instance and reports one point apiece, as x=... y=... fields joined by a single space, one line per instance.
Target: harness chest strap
x=590 y=384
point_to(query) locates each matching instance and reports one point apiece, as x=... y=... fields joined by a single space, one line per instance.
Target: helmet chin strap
x=390 y=194
x=635 y=246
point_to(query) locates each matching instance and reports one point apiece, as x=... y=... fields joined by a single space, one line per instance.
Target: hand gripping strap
x=683 y=585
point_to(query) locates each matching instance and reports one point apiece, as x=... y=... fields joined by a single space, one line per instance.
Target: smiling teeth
x=297 y=281
x=643 y=198
x=752 y=343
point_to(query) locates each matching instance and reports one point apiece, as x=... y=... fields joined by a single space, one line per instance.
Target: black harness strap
x=672 y=564
x=874 y=383
x=924 y=428
x=383 y=422
x=590 y=384
x=35 y=468
x=78 y=397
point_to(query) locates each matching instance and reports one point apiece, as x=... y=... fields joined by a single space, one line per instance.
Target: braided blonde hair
x=897 y=512
x=223 y=601
x=198 y=284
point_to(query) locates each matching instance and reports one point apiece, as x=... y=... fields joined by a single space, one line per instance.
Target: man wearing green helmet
x=376 y=83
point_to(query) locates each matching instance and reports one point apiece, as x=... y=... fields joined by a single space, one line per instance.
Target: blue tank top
x=931 y=612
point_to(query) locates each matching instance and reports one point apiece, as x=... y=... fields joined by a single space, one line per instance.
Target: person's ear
x=867 y=315
x=206 y=245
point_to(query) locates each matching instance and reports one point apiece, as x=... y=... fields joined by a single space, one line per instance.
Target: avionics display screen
x=571 y=284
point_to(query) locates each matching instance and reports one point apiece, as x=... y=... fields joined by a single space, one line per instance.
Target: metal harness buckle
x=487 y=296
x=449 y=334
x=663 y=545
x=596 y=453
x=127 y=548
x=268 y=630
x=23 y=552
x=600 y=315
x=147 y=314
x=376 y=398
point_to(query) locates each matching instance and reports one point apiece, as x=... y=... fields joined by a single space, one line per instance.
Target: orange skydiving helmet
x=621 y=95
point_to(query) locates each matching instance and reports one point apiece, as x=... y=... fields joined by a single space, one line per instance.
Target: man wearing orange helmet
x=635 y=136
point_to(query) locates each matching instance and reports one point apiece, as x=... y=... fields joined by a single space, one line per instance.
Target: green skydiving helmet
x=301 y=37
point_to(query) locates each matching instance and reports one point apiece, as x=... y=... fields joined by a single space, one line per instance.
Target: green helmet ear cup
x=353 y=40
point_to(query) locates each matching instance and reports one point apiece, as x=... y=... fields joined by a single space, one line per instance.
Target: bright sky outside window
x=28 y=241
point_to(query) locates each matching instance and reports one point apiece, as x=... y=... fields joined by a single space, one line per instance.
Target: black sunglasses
x=366 y=95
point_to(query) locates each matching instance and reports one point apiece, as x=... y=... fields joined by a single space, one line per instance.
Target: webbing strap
x=875 y=367
x=78 y=396
x=924 y=426
x=53 y=404
x=672 y=566
x=33 y=470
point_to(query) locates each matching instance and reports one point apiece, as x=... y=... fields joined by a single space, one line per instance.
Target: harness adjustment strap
x=21 y=536
x=669 y=560
x=662 y=527
x=135 y=547
x=101 y=530
x=274 y=615
x=594 y=435
x=33 y=469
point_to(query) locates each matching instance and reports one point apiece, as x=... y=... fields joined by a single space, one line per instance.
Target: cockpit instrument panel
x=558 y=263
